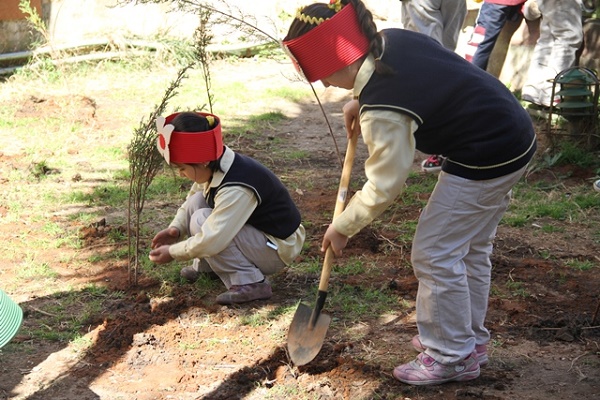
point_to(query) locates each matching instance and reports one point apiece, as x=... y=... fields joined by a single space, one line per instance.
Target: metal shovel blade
x=305 y=338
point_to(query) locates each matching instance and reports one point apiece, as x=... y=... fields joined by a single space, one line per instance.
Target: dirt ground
x=545 y=345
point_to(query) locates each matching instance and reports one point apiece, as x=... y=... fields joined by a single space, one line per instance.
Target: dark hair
x=367 y=25
x=193 y=122
x=190 y=122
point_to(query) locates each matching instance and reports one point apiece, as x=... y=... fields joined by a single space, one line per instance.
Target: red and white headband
x=189 y=147
x=334 y=44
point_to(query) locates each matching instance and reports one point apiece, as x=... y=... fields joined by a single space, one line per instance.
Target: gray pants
x=561 y=35
x=247 y=259
x=451 y=258
x=440 y=19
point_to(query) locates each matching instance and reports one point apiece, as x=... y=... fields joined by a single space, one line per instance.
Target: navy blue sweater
x=276 y=213
x=463 y=112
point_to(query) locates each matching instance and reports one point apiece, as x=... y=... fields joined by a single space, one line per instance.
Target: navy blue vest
x=463 y=112
x=276 y=213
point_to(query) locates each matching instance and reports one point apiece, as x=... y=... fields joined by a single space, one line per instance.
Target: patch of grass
x=85 y=218
x=117 y=236
x=118 y=254
x=41 y=169
x=122 y=175
x=406 y=231
x=188 y=346
x=285 y=391
x=311 y=265
x=111 y=152
x=31 y=269
x=256 y=124
x=531 y=203
x=516 y=221
x=545 y=254
x=569 y=152
x=353 y=266
x=108 y=194
x=418 y=184
x=358 y=303
x=165 y=273
x=293 y=94
x=266 y=118
x=495 y=291
x=169 y=277
x=297 y=155
x=52 y=228
x=214 y=342
x=70 y=241
x=63 y=315
x=580 y=265
x=517 y=289
x=281 y=310
x=254 y=319
x=546 y=228
x=168 y=183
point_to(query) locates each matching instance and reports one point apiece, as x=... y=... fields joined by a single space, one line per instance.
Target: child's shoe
x=424 y=370
x=245 y=293
x=432 y=164
x=597 y=185
x=480 y=350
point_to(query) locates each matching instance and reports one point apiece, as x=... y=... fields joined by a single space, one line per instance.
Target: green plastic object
x=11 y=316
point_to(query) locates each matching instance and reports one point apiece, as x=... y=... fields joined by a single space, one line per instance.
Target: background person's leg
x=490 y=21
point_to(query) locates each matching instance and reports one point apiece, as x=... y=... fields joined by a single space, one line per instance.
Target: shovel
x=309 y=327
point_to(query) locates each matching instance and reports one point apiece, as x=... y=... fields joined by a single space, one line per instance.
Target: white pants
x=561 y=35
x=247 y=259
x=451 y=259
x=439 y=19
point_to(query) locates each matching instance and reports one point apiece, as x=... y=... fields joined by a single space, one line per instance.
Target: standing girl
x=410 y=92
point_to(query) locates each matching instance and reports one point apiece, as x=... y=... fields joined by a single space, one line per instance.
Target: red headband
x=332 y=45
x=189 y=147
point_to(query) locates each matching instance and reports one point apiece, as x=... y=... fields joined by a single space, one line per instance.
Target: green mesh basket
x=11 y=317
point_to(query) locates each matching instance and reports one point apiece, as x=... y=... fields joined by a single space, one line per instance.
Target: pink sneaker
x=480 y=350
x=424 y=370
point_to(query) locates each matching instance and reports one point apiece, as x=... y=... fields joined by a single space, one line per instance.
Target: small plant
x=517 y=288
x=145 y=162
x=580 y=265
x=545 y=254
x=571 y=153
x=41 y=169
x=41 y=37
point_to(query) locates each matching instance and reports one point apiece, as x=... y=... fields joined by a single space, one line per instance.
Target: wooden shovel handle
x=339 y=207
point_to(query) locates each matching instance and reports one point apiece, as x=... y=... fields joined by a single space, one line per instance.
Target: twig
x=42 y=312
x=582 y=327
x=577 y=358
x=596 y=313
x=510 y=275
x=92 y=246
x=337 y=150
x=381 y=237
